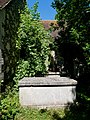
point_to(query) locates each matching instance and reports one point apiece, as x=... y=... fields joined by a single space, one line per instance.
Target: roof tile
x=3 y=3
x=48 y=23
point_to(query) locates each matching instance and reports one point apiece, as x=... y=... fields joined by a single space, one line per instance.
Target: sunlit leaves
x=33 y=41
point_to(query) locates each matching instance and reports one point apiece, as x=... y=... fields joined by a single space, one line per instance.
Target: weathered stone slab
x=47 y=91
x=46 y=81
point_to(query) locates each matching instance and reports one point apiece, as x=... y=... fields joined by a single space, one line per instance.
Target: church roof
x=48 y=24
x=3 y=3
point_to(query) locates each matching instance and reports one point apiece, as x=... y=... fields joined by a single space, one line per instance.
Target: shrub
x=33 y=43
x=9 y=104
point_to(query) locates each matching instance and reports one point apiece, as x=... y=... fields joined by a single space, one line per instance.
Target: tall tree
x=74 y=20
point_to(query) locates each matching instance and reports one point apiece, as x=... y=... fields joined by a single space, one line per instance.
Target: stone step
x=53 y=74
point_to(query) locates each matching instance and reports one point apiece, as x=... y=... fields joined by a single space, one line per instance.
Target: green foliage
x=73 y=18
x=33 y=42
x=9 y=104
x=22 y=71
x=33 y=11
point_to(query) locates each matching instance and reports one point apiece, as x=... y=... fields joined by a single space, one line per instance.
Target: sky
x=44 y=8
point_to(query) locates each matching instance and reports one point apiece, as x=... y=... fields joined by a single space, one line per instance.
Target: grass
x=74 y=112
x=40 y=114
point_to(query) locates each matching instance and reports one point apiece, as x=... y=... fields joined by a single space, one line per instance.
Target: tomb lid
x=46 y=81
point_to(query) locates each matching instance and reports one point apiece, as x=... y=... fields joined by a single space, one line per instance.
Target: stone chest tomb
x=47 y=91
